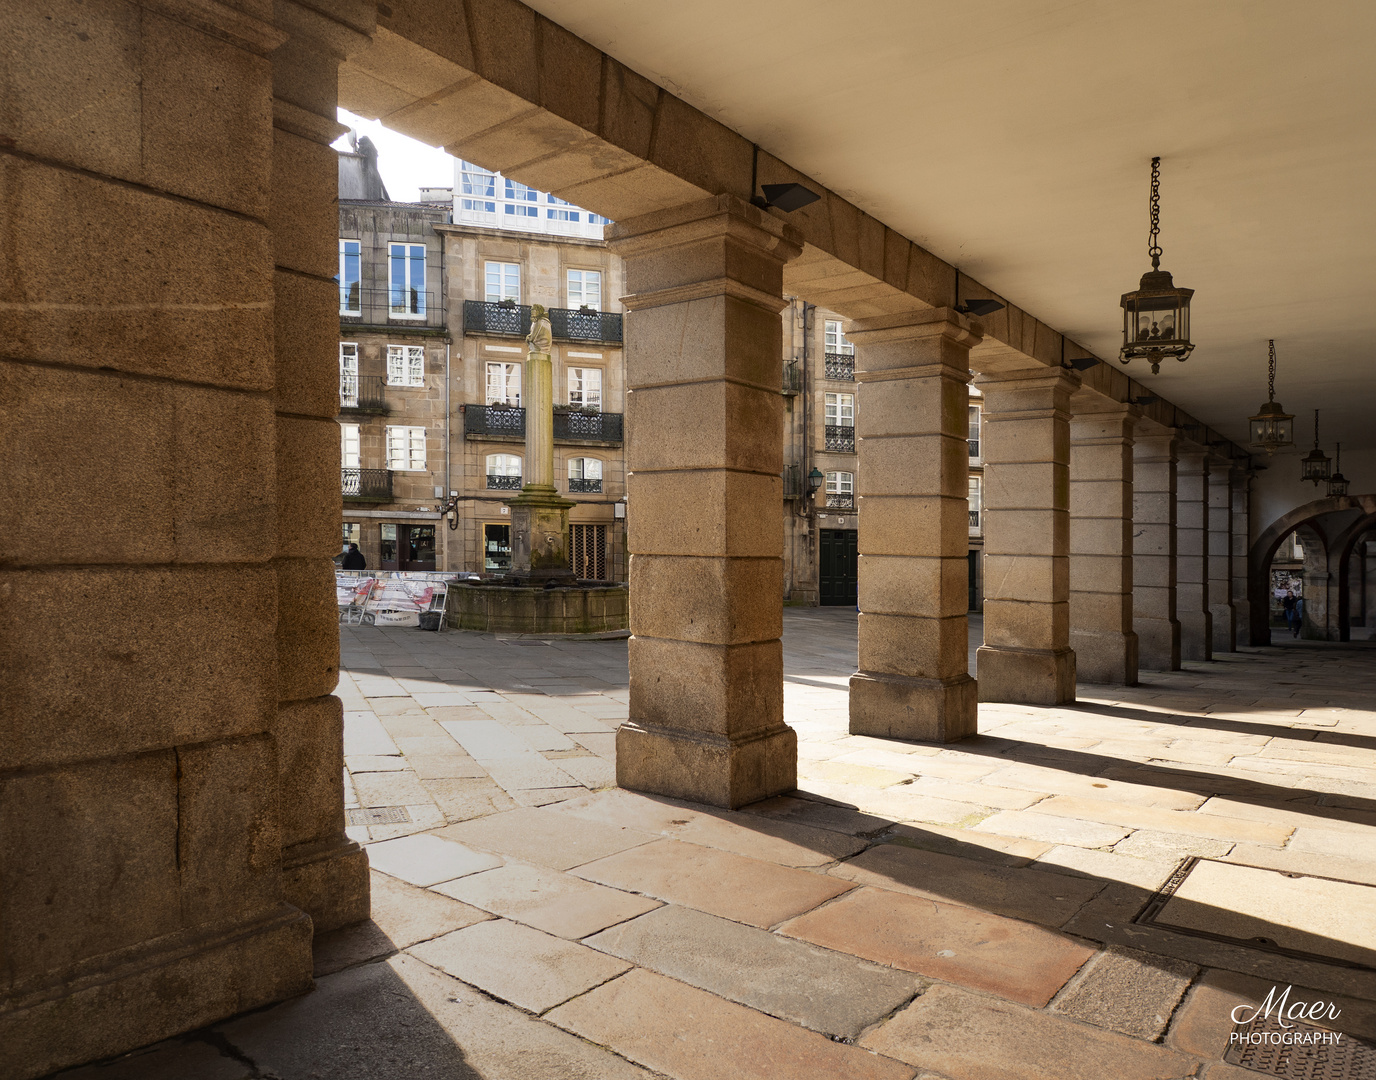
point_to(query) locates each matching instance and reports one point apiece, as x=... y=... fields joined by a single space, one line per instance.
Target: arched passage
x=1264 y=548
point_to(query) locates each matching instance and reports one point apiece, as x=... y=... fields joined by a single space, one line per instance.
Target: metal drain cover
x=378 y=815
x=1295 y=915
x=1309 y=1053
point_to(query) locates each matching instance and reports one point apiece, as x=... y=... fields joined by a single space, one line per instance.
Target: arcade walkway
x=968 y=911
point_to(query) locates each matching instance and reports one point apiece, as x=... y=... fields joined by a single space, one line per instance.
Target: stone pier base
x=1030 y=676
x=721 y=770
x=920 y=710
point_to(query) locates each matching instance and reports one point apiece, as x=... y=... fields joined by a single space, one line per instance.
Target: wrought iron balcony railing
x=974 y=449
x=792 y=380
x=566 y=324
x=584 y=484
x=593 y=427
x=366 y=485
x=485 y=421
x=503 y=483
x=974 y=521
x=362 y=393
x=841 y=366
x=837 y=501
x=841 y=437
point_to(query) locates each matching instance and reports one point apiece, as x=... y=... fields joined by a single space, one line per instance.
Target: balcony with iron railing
x=841 y=438
x=383 y=306
x=362 y=394
x=366 y=485
x=498 y=482
x=974 y=523
x=840 y=366
x=566 y=324
x=837 y=501
x=508 y=422
x=585 y=485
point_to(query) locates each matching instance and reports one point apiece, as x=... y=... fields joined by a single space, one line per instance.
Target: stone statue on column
x=539 y=516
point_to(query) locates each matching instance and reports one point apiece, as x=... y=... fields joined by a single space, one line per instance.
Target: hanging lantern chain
x=1316 y=429
x=1271 y=379
x=1154 y=246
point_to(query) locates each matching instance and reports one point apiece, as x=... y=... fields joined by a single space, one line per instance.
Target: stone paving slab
x=425 y=859
x=1213 y=826
x=785 y=843
x=518 y=964
x=690 y=1034
x=547 y=837
x=963 y=1036
x=1015 y=960
x=365 y=735
x=548 y=900
x=833 y=993
x=1052 y=828
x=1130 y=992
x=721 y=883
x=1035 y=895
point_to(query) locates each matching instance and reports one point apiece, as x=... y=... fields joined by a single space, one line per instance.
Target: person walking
x=1291 y=614
x=354 y=560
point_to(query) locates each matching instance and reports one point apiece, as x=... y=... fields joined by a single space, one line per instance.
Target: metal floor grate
x=378 y=815
x=1348 y=1059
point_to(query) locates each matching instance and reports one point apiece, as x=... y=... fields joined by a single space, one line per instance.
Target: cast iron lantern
x=1156 y=318
x=815 y=478
x=1272 y=427
x=1315 y=466
x=1337 y=483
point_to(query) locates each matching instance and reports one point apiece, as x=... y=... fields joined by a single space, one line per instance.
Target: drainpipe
x=447 y=452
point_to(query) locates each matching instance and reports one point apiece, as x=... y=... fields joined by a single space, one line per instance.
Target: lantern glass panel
x=1277 y=430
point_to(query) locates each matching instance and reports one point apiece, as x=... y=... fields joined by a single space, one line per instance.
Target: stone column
x=1106 y=648
x=1221 y=556
x=1192 y=553
x=913 y=680
x=539 y=516
x=1242 y=543
x=1154 y=548
x=325 y=873
x=1026 y=655
x=704 y=453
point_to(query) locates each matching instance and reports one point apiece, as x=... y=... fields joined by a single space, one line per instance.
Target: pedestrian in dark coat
x=354 y=560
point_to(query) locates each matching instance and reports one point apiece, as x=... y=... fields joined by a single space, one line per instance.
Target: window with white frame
x=503 y=383
x=503 y=282
x=348 y=374
x=840 y=410
x=504 y=472
x=522 y=201
x=585 y=388
x=350 y=277
x=840 y=483
x=559 y=210
x=406 y=274
x=406 y=449
x=836 y=341
x=405 y=365
x=477 y=189
x=585 y=474
x=349 y=455
x=585 y=289
x=976 y=504
x=974 y=432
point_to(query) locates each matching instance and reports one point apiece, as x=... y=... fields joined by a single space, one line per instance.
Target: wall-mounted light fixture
x=785 y=197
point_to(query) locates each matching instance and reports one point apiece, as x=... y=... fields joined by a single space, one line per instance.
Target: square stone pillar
x=1242 y=545
x=325 y=873
x=1221 y=556
x=1154 y=547
x=1106 y=648
x=1192 y=553
x=1026 y=655
x=704 y=453
x=914 y=464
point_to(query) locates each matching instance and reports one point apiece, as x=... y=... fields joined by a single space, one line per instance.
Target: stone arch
x=1263 y=549
x=1341 y=550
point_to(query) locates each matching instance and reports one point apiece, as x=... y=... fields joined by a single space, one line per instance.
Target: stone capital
x=917 y=326
x=720 y=217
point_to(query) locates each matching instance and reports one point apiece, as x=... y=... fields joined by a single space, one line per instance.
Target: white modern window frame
x=503 y=465
x=501 y=281
x=503 y=383
x=406 y=449
x=584 y=288
x=585 y=468
x=840 y=483
x=348 y=374
x=836 y=340
x=350 y=276
x=976 y=415
x=976 y=505
x=406 y=365
x=350 y=446
x=585 y=388
x=406 y=281
x=477 y=193
x=521 y=201
x=840 y=410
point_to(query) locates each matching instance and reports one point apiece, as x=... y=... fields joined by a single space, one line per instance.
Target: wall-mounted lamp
x=785 y=197
x=977 y=308
x=1144 y=399
x=815 y=479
